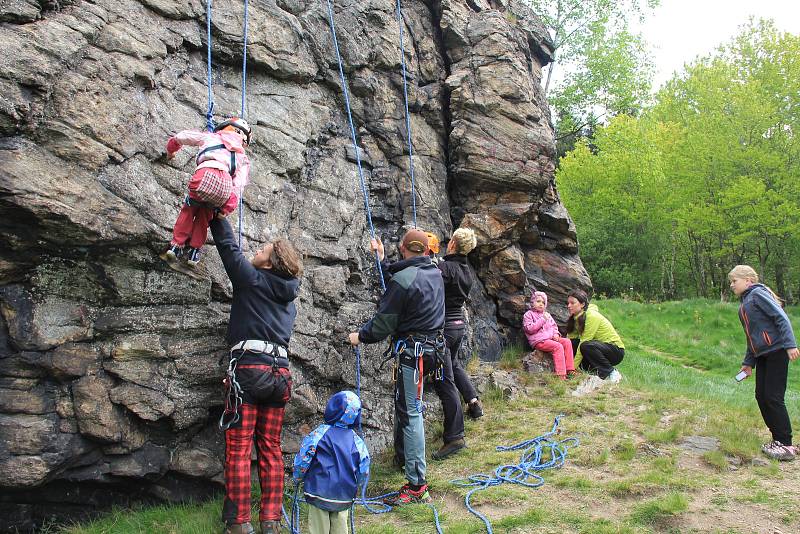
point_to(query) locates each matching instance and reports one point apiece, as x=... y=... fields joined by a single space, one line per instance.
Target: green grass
x=625 y=477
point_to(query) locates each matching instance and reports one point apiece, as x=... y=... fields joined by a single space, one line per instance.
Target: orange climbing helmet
x=239 y=125
x=433 y=242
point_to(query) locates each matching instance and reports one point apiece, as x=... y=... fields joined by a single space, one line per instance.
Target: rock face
x=110 y=361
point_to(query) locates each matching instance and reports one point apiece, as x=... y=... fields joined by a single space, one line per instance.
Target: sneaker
x=475 y=409
x=270 y=527
x=778 y=451
x=448 y=449
x=193 y=257
x=174 y=252
x=406 y=495
x=614 y=377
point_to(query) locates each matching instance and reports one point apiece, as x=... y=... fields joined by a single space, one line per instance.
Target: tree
x=706 y=178
x=606 y=67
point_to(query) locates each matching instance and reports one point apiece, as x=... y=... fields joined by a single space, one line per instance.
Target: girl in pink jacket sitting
x=542 y=333
x=223 y=169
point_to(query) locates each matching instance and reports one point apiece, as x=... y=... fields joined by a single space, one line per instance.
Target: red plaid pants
x=192 y=224
x=265 y=423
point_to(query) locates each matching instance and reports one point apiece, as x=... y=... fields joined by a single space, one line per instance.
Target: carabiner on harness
x=419 y=362
x=233 y=397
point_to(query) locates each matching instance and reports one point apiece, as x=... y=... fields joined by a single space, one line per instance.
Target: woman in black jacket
x=457 y=283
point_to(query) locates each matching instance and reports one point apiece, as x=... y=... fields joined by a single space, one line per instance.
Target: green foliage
x=707 y=178
x=606 y=67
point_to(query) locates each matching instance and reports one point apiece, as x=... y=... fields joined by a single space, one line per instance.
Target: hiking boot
x=193 y=258
x=778 y=451
x=174 y=252
x=614 y=377
x=448 y=449
x=240 y=528
x=270 y=527
x=406 y=495
x=475 y=409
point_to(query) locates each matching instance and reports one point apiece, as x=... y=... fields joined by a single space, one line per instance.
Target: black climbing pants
x=453 y=335
x=600 y=358
x=772 y=370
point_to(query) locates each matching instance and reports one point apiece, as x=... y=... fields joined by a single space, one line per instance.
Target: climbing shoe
x=408 y=495
x=193 y=258
x=448 y=449
x=239 y=528
x=174 y=252
x=270 y=527
x=475 y=409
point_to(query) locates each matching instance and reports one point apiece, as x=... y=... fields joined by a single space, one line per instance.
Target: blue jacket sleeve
x=363 y=465
x=239 y=269
x=773 y=310
x=308 y=449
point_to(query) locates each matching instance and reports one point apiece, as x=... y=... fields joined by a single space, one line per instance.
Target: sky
x=681 y=30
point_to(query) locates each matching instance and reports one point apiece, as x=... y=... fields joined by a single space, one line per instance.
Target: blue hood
x=343 y=410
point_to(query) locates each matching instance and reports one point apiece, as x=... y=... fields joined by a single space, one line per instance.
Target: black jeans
x=772 y=370
x=451 y=404
x=599 y=357
x=454 y=334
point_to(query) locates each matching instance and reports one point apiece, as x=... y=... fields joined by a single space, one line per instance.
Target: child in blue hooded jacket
x=333 y=462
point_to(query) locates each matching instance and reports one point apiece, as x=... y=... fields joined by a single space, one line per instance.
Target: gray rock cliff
x=110 y=361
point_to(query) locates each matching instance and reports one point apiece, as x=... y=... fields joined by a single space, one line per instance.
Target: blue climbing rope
x=408 y=116
x=244 y=103
x=374 y=504
x=354 y=140
x=210 y=110
x=533 y=459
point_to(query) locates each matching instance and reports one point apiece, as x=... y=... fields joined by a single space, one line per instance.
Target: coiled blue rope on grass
x=524 y=471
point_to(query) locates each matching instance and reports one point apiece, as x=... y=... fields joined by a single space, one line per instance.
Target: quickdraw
x=233 y=397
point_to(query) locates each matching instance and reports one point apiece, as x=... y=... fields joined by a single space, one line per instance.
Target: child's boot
x=174 y=252
x=193 y=257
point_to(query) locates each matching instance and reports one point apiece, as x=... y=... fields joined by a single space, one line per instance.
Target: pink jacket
x=538 y=326
x=216 y=159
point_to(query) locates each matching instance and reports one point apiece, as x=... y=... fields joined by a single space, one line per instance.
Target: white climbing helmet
x=239 y=124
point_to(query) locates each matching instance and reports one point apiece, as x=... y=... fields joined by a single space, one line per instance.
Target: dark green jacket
x=413 y=302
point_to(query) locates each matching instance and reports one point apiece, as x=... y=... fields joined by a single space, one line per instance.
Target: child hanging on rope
x=333 y=461
x=542 y=333
x=223 y=169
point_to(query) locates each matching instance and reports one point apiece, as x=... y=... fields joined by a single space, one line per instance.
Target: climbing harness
x=538 y=454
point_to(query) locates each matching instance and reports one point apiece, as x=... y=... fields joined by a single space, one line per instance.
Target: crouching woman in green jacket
x=596 y=344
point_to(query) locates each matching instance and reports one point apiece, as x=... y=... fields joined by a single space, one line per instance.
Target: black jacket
x=263 y=300
x=458 y=280
x=765 y=324
x=413 y=302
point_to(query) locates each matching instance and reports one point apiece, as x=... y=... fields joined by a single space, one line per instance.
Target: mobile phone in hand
x=741 y=376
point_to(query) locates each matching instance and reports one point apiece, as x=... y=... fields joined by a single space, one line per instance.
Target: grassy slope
x=629 y=474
